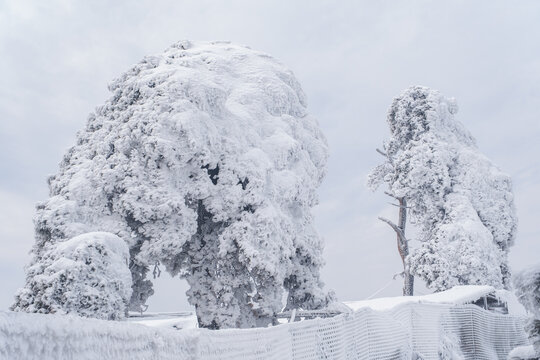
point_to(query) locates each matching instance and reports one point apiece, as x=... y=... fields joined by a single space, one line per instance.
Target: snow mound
x=458 y=295
x=176 y=321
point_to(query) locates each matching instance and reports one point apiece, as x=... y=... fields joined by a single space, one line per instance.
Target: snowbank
x=175 y=321
x=456 y=296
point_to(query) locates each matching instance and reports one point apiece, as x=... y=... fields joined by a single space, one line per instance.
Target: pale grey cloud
x=352 y=57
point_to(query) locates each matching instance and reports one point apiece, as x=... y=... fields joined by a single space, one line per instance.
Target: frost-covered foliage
x=205 y=161
x=462 y=204
x=87 y=275
x=527 y=288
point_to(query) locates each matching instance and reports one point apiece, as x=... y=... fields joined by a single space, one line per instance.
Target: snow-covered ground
x=175 y=321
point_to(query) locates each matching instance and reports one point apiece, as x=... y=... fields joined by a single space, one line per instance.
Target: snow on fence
x=37 y=336
x=407 y=331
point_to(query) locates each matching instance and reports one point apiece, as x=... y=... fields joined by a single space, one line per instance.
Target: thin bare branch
x=400 y=206
x=392 y=195
x=382 y=152
x=395 y=227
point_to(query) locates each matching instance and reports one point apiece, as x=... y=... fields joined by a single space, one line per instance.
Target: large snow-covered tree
x=461 y=203
x=204 y=161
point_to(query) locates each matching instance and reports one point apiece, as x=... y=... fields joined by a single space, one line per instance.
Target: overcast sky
x=351 y=57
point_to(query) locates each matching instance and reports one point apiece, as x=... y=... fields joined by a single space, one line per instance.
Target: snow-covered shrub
x=206 y=161
x=449 y=348
x=462 y=204
x=87 y=275
x=527 y=288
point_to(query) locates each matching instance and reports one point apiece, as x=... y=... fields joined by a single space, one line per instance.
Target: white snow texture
x=527 y=288
x=205 y=161
x=462 y=204
x=87 y=275
x=457 y=295
x=52 y=337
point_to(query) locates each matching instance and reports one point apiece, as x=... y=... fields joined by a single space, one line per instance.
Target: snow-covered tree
x=461 y=203
x=87 y=275
x=527 y=288
x=204 y=161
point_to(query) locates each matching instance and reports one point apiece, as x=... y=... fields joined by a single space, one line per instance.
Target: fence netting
x=407 y=331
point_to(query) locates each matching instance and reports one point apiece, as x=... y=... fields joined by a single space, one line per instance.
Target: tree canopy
x=206 y=161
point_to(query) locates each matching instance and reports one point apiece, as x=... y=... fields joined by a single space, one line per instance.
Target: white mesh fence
x=483 y=334
x=408 y=331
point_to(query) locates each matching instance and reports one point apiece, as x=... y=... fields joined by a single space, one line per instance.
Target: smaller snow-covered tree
x=461 y=203
x=87 y=275
x=527 y=288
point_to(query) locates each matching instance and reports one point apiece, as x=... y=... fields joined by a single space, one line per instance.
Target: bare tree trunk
x=402 y=244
